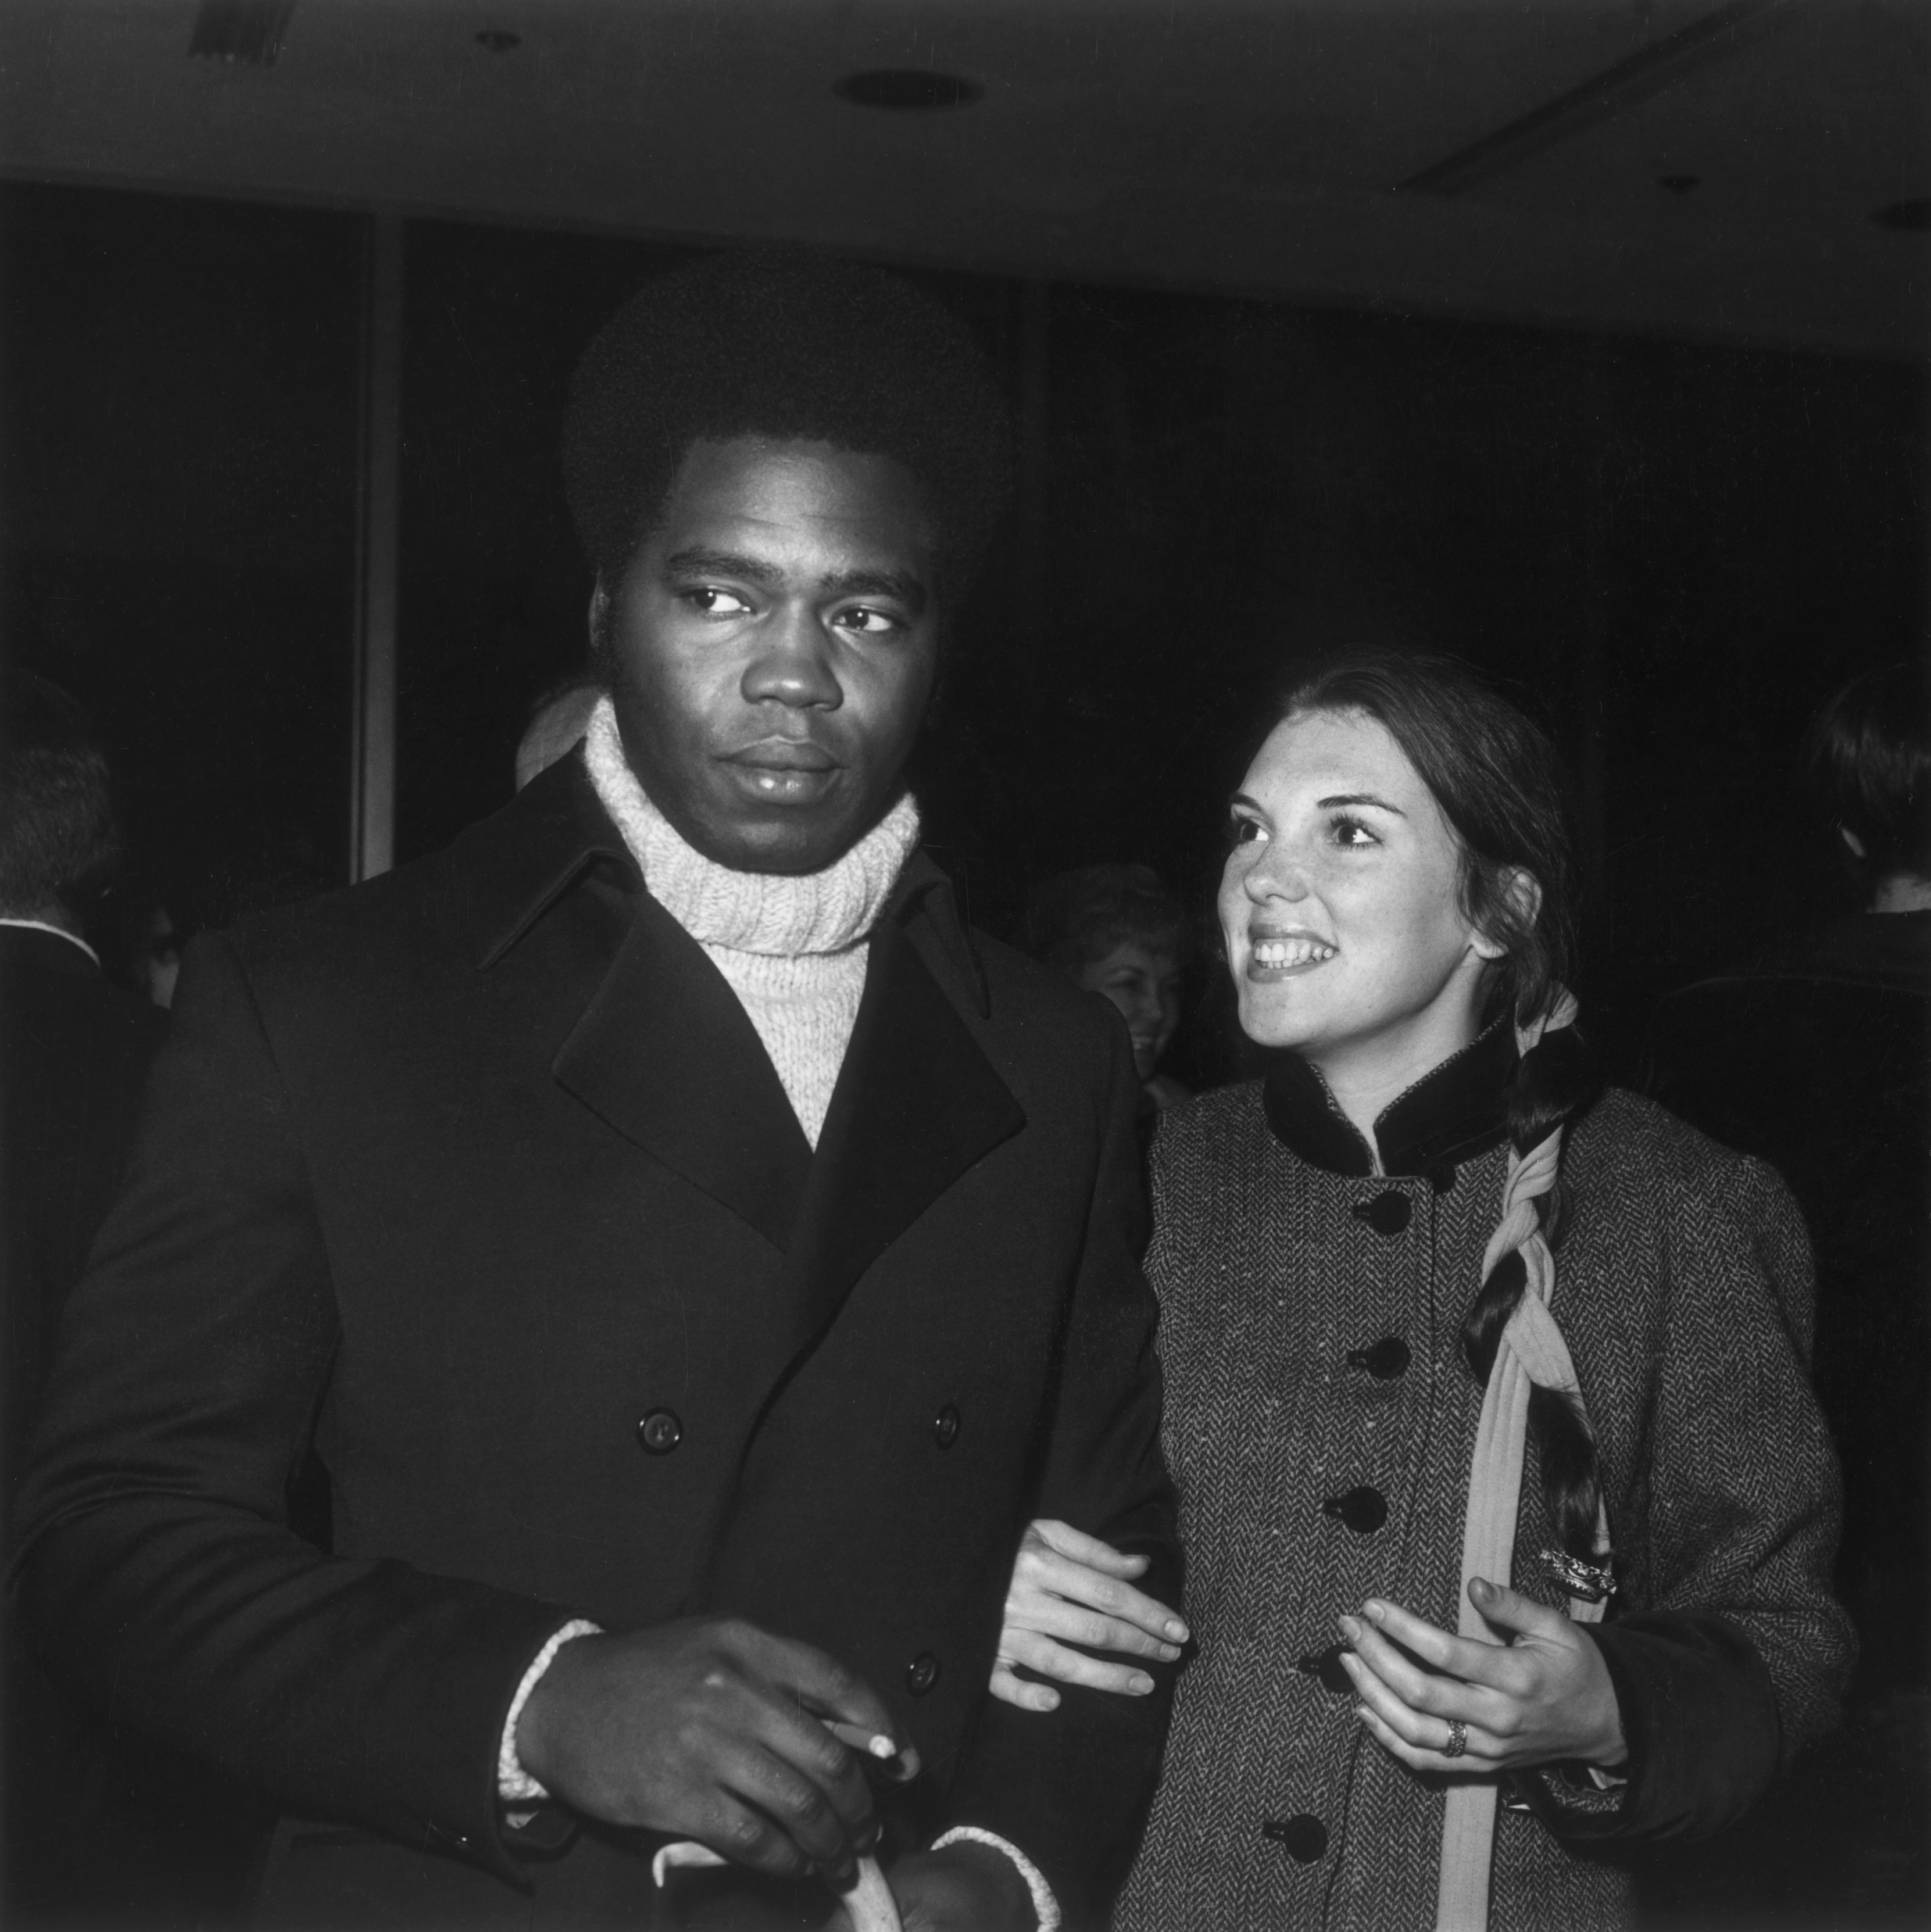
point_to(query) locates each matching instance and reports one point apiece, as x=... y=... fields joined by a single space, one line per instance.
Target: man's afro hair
x=778 y=344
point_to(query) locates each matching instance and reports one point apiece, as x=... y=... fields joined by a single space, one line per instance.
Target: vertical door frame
x=378 y=518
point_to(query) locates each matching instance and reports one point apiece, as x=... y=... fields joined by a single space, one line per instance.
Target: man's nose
x=793 y=666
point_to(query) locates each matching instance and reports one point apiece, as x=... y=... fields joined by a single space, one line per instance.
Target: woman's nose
x=1276 y=874
x=793 y=666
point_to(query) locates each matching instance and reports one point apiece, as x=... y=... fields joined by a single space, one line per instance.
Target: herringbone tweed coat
x=1683 y=1289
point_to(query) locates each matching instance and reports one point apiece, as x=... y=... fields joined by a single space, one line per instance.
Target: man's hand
x=1070 y=1588
x=709 y=1729
x=966 y=1888
x=1542 y=1695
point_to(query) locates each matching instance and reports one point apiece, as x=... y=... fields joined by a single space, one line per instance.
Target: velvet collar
x=1454 y=1112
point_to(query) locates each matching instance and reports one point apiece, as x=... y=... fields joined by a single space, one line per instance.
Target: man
x=93 y=1822
x=693 y=1255
x=1818 y=1061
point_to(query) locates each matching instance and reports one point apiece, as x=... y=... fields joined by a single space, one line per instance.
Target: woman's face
x=1144 y=983
x=1340 y=901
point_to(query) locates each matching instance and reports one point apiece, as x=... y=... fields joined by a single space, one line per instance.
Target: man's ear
x=1523 y=893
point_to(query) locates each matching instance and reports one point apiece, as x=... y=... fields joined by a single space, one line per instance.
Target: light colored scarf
x=1532 y=1353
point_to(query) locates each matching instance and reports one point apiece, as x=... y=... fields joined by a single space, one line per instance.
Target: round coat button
x=1305 y=1837
x=1386 y=1214
x=945 y=1425
x=1363 y=1510
x=1387 y=1358
x=660 y=1432
x=922 y=1673
x=1326 y=1665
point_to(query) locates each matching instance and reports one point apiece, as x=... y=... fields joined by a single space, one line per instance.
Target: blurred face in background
x=1144 y=983
x=1340 y=904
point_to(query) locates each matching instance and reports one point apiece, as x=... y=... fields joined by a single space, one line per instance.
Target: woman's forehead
x=1344 y=753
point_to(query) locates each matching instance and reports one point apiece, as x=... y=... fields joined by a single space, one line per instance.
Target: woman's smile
x=1273 y=954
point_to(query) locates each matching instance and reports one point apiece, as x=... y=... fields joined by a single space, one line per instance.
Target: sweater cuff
x=1045 y=1906
x=515 y=1785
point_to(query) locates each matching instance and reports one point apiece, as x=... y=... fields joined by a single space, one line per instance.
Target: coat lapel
x=916 y=1105
x=666 y=1055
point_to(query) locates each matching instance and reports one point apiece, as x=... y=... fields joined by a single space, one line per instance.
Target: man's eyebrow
x=900 y=584
x=699 y=561
x=1360 y=798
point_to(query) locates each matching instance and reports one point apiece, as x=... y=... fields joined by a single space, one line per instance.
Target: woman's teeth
x=1290 y=952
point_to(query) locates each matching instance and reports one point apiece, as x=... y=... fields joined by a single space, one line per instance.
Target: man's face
x=771 y=646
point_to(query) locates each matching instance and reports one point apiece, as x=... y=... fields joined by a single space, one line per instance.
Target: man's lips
x=785 y=771
x=784 y=755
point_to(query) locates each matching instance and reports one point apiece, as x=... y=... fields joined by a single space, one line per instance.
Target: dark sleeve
x=1071 y=1787
x=1738 y=1653
x=158 y=1570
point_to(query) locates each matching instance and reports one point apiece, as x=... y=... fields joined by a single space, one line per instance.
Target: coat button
x=660 y=1432
x=1304 y=1837
x=1327 y=1665
x=945 y=1425
x=1386 y=1214
x=922 y=1673
x=1363 y=1510
x=1387 y=1358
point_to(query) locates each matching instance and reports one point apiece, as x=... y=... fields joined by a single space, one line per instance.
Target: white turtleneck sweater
x=792 y=948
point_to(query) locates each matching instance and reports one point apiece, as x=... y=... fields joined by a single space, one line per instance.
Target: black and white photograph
x=966 y=965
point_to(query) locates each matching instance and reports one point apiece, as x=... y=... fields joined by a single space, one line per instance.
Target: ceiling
x=1663 y=166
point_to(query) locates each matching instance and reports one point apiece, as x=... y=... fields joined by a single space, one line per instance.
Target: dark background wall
x=1673 y=552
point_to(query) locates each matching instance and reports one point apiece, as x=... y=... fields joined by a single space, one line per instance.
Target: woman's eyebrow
x=1360 y=798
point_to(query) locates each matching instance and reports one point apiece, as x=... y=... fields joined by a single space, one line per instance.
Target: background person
x=1117 y=930
x=1351 y=1255
x=100 y=1828
x=1818 y=1059
x=558 y=720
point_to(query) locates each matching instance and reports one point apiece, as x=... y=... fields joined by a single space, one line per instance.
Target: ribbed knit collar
x=777 y=914
x=1454 y=1112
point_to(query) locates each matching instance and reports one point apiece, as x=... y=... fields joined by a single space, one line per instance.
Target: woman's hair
x=1867 y=754
x=1075 y=918
x=1498 y=780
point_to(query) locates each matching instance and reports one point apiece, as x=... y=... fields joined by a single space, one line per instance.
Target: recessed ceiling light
x=1907 y=215
x=499 y=39
x=1680 y=184
x=908 y=88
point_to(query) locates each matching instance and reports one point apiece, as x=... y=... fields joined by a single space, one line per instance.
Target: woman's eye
x=715 y=603
x=1246 y=831
x=1351 y=832
x=867 y=621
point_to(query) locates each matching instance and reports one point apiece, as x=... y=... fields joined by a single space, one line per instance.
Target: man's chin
x=789 y=846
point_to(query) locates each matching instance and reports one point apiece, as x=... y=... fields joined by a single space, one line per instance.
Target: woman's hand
x=1070 y=1588
x=1542 y=1695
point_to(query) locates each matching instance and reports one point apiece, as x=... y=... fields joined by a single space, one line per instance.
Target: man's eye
x=715 y=603
x=868 y=621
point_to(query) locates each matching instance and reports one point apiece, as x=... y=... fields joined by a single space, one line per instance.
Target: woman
x=1118 y=931
x=1507 y=1506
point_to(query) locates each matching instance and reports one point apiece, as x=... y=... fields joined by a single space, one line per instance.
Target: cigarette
x=899 y=1764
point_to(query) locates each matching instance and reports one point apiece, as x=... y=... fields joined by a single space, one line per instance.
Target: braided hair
x=1498 y=781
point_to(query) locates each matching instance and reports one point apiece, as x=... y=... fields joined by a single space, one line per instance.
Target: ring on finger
x=1457 y=1739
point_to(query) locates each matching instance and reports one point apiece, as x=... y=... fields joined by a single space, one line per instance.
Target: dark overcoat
x=477 y=1177
x=1320 y=1425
